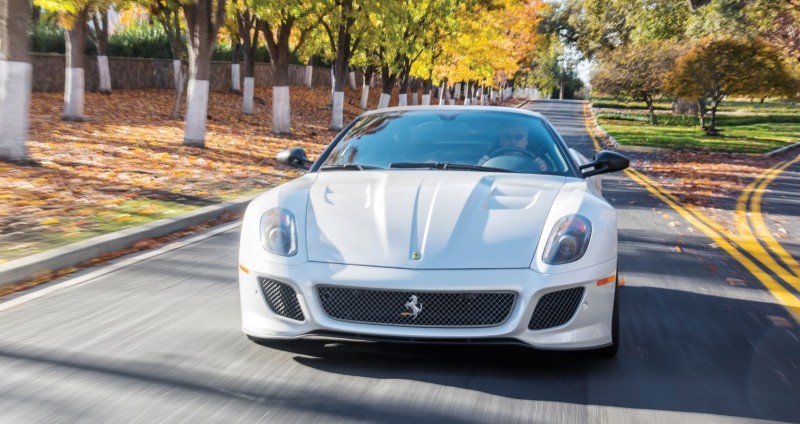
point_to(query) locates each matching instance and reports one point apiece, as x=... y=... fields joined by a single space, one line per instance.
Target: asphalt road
x=159 y=341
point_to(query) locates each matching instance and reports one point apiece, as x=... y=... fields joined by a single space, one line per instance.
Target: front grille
x=281 y=299
x=433 y=309
x=556 y=308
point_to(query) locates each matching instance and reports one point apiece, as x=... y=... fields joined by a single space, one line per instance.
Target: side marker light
x=607 y=280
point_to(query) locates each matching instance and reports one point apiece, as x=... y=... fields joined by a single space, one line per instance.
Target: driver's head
x=514 y=135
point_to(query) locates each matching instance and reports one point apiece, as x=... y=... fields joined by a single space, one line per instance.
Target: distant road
x=159 y=341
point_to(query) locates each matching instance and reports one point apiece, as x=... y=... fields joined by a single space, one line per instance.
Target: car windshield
x=464 y=140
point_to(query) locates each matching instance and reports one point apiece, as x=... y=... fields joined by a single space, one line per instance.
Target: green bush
x=147 y=41
x=222 y=52
x=47 y=38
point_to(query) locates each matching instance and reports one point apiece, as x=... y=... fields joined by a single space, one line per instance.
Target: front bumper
x=590 y=327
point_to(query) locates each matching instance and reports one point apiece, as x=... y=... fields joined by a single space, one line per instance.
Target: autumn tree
x=778 y=22
x=280 y=20
x=344 y=22
x=493 y=39
x=73 y=16
x=637 y=71
x=15 y=79
x=718 y=68
x=167 y=13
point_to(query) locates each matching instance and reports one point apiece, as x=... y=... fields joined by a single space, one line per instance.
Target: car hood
x=428 y=219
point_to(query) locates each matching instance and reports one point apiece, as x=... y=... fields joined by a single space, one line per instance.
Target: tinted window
x=488 y=138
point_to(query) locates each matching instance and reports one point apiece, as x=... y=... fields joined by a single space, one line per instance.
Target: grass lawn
x=745 y=127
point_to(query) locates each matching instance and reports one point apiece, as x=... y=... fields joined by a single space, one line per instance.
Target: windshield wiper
x=348 y=167
x=446 y=165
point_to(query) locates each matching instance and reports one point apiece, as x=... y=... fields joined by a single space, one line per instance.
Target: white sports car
x=431 y=224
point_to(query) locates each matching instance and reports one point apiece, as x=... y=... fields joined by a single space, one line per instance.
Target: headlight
x=279 y=232
x=568 y=240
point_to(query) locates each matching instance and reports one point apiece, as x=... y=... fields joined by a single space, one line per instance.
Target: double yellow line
x=746 y=246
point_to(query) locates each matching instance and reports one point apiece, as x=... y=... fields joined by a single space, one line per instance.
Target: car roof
x=517 y=111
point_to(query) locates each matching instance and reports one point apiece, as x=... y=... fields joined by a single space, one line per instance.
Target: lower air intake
x=281 y=299
x=556 y=308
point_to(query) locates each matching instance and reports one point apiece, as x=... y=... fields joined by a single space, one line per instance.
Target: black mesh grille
x=556 y=308
x=433 y=309
x=282 y=299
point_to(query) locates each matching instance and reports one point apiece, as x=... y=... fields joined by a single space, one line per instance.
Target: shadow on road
x=666 y=362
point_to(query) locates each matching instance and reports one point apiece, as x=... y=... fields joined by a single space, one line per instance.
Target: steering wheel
x=509 y=149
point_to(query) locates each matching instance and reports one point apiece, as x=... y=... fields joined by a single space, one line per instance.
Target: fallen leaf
x=736 y=282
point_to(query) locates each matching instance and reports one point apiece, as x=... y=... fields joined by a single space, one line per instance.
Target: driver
x=514 y=136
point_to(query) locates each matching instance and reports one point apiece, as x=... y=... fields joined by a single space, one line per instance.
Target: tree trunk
x=15 y=79
x=99 y=35
x=280 y=52
x=351 y=78
x=181 y=72
x=340 y=64
x=443 y=92
x=388 y=80
x=701 y=112
x=426 y=92
x=403 y=94
x=682 y=106
x=281 y=108
x=249 y=50
x=561 y=89
x=202 y=27
x=310 y=72
x=74 y=84
x=649 y=101
x=365 y=87
x=235 y=67
x=712 y=127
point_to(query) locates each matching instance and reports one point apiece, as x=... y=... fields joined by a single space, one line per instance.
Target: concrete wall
x=134 y=73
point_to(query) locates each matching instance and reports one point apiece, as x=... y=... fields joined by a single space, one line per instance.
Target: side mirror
x=605 y=161
x=294 y=157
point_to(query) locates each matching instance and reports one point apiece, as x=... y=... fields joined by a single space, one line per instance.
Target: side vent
x=556 y=308
x=281 y=299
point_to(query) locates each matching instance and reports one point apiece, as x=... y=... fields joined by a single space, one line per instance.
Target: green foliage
x=47 y=38
x=222 y=52
x=719 y=18
x=140 y=41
